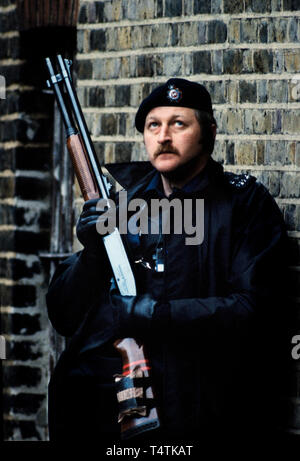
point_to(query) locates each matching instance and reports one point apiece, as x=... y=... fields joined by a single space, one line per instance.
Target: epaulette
x=239 y=181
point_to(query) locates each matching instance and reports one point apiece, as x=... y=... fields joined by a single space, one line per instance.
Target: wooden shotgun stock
x=138 y=413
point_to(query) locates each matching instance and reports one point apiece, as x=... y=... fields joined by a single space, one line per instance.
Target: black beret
x=176 y=92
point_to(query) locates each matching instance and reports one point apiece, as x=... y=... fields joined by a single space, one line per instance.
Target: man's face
x=172 y=138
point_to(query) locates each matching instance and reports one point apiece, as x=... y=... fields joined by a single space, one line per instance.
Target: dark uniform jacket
x=215 y=366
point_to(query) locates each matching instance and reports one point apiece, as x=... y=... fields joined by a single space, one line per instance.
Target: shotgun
x=137 y=412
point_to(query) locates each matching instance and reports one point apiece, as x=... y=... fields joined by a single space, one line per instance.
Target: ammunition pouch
x=132 y=394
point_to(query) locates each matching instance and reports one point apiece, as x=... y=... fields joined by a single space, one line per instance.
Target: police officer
x=204 y=311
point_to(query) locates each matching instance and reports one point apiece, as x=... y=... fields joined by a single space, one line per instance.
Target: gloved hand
x=86 y=230
x=138 y=316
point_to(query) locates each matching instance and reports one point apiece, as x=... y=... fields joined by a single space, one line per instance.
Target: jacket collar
x=135 y=175
x=129 y=174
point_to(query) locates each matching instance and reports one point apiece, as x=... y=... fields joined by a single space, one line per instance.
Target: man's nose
x=164 y=134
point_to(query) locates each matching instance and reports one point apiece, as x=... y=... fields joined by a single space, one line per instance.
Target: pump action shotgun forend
x=134 y=390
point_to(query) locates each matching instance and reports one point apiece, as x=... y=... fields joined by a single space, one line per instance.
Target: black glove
x=139 y=316
x=86 y=230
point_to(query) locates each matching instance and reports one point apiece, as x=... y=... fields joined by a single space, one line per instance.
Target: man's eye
x=152 y=125
x=178 y=123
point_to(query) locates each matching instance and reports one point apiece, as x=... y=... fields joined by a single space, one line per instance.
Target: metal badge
x=240 y=181
x=174 y=94
x=156 y=263
x=158 y=257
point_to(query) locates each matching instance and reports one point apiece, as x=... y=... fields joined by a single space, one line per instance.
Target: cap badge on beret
x=174 y=94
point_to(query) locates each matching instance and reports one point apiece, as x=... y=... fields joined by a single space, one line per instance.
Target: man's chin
x=166 y=164
x=167 y=171
x=170 y=173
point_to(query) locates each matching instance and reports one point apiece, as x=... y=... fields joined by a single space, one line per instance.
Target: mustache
x=166 y=150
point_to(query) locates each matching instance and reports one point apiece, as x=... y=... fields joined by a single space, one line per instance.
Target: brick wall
x=247 y=55
x=25 y=134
